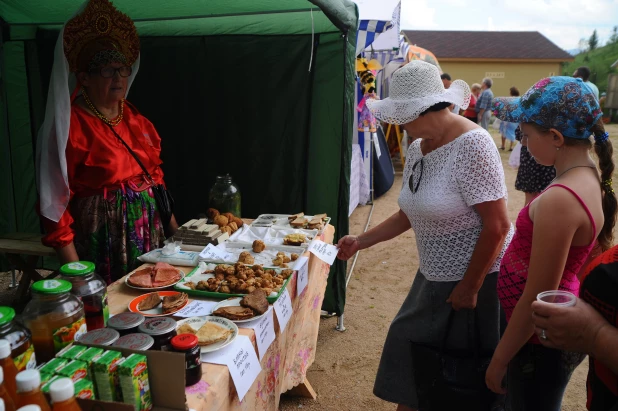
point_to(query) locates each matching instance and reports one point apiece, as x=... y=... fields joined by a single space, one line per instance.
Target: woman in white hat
x=454 y=198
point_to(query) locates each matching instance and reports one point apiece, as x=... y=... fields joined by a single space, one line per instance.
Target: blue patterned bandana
x=564 y=103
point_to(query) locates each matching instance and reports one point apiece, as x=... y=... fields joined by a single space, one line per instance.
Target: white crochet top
x=455 y=177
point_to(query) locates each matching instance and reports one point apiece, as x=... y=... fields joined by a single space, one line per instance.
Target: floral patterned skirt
x=112 y=230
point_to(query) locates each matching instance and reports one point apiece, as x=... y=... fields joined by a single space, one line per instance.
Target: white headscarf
x=51 y=171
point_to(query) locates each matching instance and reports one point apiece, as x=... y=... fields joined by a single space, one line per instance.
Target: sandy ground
x=346 y=363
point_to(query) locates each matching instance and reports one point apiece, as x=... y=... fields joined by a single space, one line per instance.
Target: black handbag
x=452 y=379
x=163 y=198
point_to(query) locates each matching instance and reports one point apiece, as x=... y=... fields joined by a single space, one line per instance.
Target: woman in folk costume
x=98 y=158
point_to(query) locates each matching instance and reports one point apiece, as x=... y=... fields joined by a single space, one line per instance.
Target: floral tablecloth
x=286 y=362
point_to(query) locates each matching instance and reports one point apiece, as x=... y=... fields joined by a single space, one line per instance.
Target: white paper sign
x=302 y=278
x=376 y=145
x=283 y=308
x=325 y=252
x=242 y=362
x=211 y=252
x=196 y=309
x=264 y=331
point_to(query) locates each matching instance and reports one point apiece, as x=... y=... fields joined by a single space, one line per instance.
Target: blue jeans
x=537 y=377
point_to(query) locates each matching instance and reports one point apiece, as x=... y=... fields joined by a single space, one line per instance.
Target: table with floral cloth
x=286 y=362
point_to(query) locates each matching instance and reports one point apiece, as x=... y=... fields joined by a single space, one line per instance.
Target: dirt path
x=346 y=363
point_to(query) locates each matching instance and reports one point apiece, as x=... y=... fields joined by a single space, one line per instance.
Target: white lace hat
x=414 y=88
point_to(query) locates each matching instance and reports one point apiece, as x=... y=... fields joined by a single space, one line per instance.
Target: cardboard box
x=134 y=381
x=167 y=383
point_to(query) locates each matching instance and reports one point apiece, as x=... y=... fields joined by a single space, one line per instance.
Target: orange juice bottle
x=30 y=408
x=28 y=390
x=9 y=369
x=62 y=394
x=7 y=402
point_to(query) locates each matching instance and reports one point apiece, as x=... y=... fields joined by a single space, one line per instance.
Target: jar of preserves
x=102 y=336
x=162 y=330
x=89 y=287
x=22 y=350
x=225 y=196
x=188 y=344
x=136 y=341
x=54 y=316
x=126 y=323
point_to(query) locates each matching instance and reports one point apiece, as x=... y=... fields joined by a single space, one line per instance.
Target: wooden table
x=14 y=245
x=285 y=364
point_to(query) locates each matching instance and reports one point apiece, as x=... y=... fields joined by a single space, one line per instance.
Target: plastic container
x=137 y=341
x=225 y=196
x=126 y=323
x=8 y=401
x=102 y=336
x=162 y=330
x=28 y=390
x=9 y=371
x=188 y=344
x=22 y=350
x=62 y=393
x=557 y=297
x=91 y=289
x=54 y=316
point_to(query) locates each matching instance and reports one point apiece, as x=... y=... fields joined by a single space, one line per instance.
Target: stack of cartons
x=199 y=232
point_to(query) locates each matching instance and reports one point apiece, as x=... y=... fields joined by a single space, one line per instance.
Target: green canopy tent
x=260 y=89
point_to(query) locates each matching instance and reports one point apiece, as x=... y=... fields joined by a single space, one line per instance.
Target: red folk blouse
x=97 y=160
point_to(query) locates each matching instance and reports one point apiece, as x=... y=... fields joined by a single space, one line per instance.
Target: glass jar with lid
x=135 y=341
x=100 y=336
x=162 y=330
x=89 y=287
x=54 y=316
x=126 y=323
x=20 y=338
x=225 y=196
x=188 y=344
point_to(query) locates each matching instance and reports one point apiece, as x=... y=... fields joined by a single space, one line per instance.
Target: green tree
x=614 y=36
x=593 y=41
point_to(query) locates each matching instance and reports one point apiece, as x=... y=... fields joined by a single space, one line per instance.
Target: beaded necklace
x=112 y=122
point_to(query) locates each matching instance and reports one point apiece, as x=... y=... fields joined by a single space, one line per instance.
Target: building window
x=495 y=74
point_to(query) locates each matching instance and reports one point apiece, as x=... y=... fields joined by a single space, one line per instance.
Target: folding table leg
x=13 y=279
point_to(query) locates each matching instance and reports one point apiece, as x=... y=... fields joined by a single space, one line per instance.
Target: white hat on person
x=414 y=88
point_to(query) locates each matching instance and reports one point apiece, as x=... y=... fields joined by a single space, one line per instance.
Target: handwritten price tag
x=214 y=253
x=242 y=362
x=325 y=252
x=302 y=267
x=196 y=309
x=283 y=308
x=264 y=331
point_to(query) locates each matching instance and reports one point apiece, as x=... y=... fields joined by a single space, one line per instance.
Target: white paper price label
x=214 y=253
x=196 y=309
x=264 y=331
x=325 y=252
x=302 y=278
x=242 y=362
x=283 y=308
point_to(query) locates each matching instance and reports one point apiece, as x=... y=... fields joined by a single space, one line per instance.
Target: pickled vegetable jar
x=54 y=316
x=22 y=350
x=225 y=196
x=91 y=289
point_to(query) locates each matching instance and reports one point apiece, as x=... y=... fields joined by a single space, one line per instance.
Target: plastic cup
x=557 y=297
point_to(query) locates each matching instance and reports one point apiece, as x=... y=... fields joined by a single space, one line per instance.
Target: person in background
x=589 y=327
x=555 y=235
x=584 y=74
x=484 y=103
x=470 y=112
x=507 y=130
x=446 y=81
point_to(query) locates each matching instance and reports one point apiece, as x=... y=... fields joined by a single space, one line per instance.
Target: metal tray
x=281 y=220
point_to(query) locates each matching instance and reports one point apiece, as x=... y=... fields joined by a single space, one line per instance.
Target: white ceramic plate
x=197 y=322
x=126 y=281
x=234 y=302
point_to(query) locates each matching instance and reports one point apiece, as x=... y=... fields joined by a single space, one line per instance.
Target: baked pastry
x=256 y=301
x=234 y=313
x=174 y=302
x=150 y=302
x=226 y=229
x=299 y=222
x=186 y=329
x=211 y=333
x=230 y=216
x=212 y=213
x=238 y=221
x=278 y=261
x=294 y=239
x=246 y=258
x=233 y=226
x=286 y=273
x=258 y=246
x=221 y=220
x=295 y=216
x=294 y=257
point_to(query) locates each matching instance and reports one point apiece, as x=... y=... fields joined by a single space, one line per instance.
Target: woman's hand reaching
x=348 y=246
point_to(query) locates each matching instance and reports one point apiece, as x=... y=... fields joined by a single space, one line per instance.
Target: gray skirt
x=423 y=318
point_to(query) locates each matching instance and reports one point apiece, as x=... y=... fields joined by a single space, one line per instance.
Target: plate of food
x=159 y=303
x=157 y=277
x=213 y=333
x=243 y=309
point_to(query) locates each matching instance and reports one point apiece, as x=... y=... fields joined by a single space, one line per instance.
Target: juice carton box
x=71 y=352
x=45 y=376
x=53 y=365
x=106 y=376
x=134 y=382
x=75 y=370
x=84 y=389
x=90 y=355
x=45 y=387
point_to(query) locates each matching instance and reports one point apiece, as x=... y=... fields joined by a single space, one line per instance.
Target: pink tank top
x=514 y=266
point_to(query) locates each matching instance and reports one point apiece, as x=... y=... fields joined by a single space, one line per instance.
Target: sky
x=564 y=22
